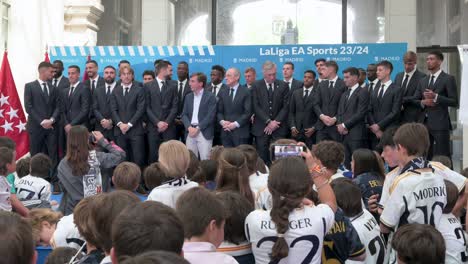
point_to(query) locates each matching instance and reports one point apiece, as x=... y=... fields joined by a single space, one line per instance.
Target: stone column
x=80 y=27
x=400 y=22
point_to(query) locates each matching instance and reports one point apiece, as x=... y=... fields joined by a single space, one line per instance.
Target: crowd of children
x=234 y=209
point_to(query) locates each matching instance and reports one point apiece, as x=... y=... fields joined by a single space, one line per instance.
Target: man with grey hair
x=234 y=111
x=270 y=99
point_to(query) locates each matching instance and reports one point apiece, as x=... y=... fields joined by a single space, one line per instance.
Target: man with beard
x=59 y=81
x=373 y=82
x=94 y=81
x=101 y=104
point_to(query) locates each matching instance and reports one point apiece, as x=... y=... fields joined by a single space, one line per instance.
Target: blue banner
x=201 y=58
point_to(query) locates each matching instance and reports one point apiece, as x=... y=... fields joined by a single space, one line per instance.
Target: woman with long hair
x=79 y=171
x=368 y=173
x=233 y=174
x=293 y=230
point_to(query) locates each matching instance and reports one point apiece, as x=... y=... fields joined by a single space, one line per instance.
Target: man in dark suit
x=75 y=102
x=372 y=82
x=234 y=111
x=270 y=98
x=250 y=76
x=128 y=108
x=408 y=81
x=199 y=116
x=352 y=111
x=319 y=68
x=101 y=104
x=59 y=81
x=435 y=94
x=183 y=88
x=93 y=82
x=41 y=101
x=161 y=109
x=302 y=117
x=326 y=102
x=385 y=104
x=215 y=86
x=288 y=72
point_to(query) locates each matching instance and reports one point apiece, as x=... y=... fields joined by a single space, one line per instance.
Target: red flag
x=85 y=75
x=46 y=58
x=12 y=118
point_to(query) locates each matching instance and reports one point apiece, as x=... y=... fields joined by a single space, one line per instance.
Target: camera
x=278 y=151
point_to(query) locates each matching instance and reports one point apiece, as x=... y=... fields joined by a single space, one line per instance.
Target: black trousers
x=439 y=143
x=155 y=139
x=134 y=146
x=328 y=133
x=45 y=141
x=230 y=140
x=309 y=141
x=262 y=143
x=350 y=146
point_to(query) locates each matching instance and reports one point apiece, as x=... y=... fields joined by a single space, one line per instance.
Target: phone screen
x=281 y=151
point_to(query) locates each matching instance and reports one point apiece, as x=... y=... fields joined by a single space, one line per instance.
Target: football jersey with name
x=307 y=228
x=32 y=188
x=368 y=230
x=342 y=241
x=439 y=169
x=415 y=197
x=455 y=239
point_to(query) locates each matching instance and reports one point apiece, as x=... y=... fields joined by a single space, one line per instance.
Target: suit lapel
x=41 y=92
x=352 y=97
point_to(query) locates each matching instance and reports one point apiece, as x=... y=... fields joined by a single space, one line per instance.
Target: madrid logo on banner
x=202 y=58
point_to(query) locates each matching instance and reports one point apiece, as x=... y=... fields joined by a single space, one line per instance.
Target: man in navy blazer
x=198 y=117
x=435 y=94
x=234 y=111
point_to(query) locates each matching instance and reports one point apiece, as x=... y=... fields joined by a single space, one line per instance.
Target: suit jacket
x=261 y=107
x=239 y=109
x=385 y=112
x=186 y=90
x=100 y=83
x=75 y=107
x=352 y=111
x=206 y=113
x=161 y=105
x=295 y=84
x=410 y=112
x=39 y=106
x=437 y=117
x=128 y=109
x=301 y=110
x=326 y=100
x=209 y=88
x=63 y=84
x=101 y=106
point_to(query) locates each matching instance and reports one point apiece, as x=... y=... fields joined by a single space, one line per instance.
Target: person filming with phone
x=79 y=171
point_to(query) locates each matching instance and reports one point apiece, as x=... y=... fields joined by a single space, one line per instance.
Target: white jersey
x=258 y=181
x=368 y=230
x=307 y=228
x=415 y=197
x=263 y=200
x=32 y=188
x=439 y=170
x=5 y=202
x=169 y=192
x=66 y=234
x=455 y=239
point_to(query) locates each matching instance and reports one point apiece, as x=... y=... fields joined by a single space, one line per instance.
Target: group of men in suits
x=320 y=107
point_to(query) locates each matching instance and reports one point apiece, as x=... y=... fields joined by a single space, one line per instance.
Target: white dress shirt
x=196 y=106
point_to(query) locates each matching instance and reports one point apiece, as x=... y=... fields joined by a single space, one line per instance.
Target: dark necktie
x=55 y=82
x=108 y=90
x=214 y=89
x=348 y=94
x=162 y=85
x=331 y=85
x=371 y=88
x=71 y=91
x=306 y=93
x=126 y=92
x=381 y=91
x=181 y=88
x=44 y=89
x=405 y=82
x=231 y=94
x=431 y=83
x=270 y=90
x=93 y=86
x=287 y=83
